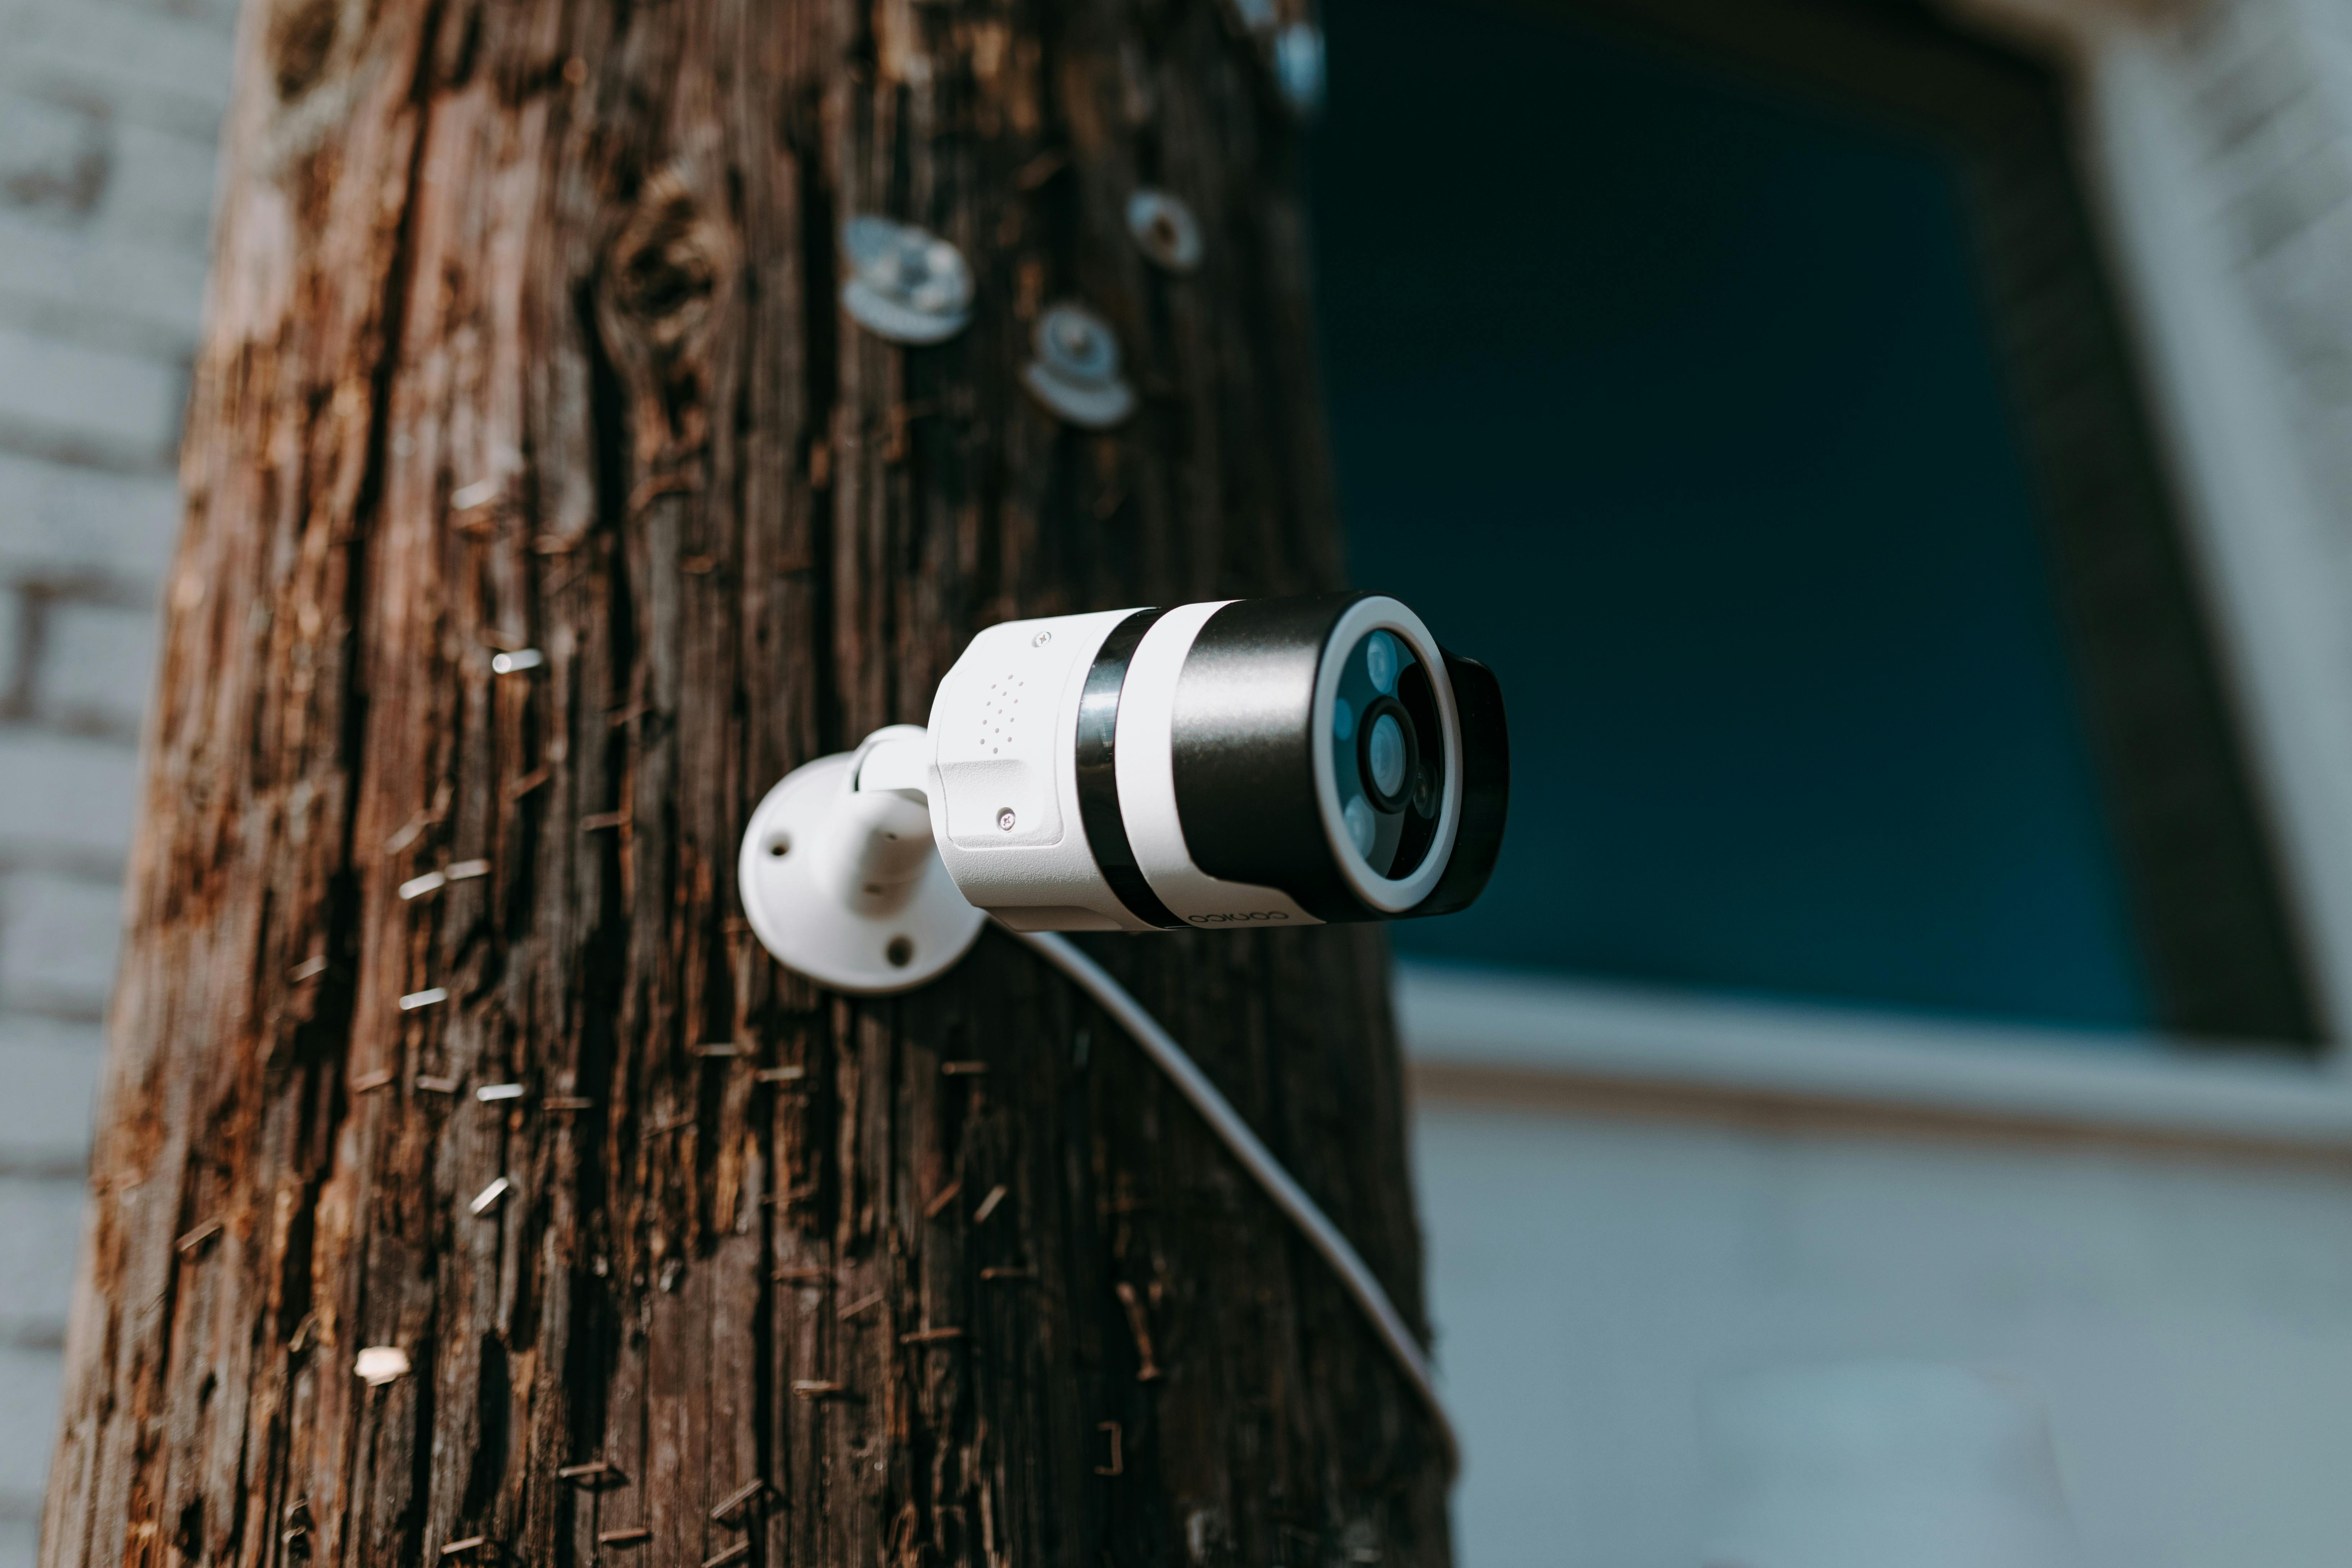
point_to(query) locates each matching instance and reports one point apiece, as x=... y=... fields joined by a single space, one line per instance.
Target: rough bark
x=523 y=333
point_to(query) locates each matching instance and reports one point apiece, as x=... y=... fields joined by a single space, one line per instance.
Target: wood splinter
x=594 y=1470
x=372 y=1080
x=815 y=1388
x=999 y=1271
x=988 y=1205
x=930 y=1336
x=855 y=1308
x=190 y=1244
x=740 y=1550
x=629 y=1537
x=454 y=1547
x=940 y=1202
x=964 y=1069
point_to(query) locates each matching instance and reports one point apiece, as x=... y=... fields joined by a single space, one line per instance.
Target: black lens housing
x=1243 y=740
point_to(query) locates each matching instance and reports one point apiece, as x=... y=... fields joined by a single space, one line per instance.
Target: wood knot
x=666 y=282
x=301 y=37
x=667 y=263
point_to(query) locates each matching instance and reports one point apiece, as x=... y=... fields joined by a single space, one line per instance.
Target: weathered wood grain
x=523 y=334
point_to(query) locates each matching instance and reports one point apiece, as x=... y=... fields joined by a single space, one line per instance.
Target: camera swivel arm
x=841 y=879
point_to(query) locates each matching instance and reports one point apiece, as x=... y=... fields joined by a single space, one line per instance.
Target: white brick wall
x=108 y=111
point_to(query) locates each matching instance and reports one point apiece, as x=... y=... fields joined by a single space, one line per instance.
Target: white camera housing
x=1231 y=764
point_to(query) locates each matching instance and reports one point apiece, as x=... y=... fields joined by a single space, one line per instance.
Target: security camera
x=1243 y=763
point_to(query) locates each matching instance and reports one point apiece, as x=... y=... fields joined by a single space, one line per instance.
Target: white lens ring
x=1389 y=895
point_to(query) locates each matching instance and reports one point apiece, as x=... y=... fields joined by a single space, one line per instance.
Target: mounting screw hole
x=780 y=846
x=1005 y=819
x=900 y=952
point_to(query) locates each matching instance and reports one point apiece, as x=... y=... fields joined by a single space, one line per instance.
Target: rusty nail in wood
x=187 y=1244
x=309 y=969
x=425 y=998
x=988 y=1205
x=417 y=886
x=369 y=1080
x=780 y=1075
x=588 y=1471
x=1118 y=1464
x=437 y=1085
x=719 y=1049
x=742 y=1549
x=466 y=870
x=1147 y=1373
x=568 y=1102
x=855 y=1308
x=496 y=1092
x=454 y=1547
x=930 y=1336
x=818 y=1388
x=490 y=1195
x=939 y=1203
x=963 y=1070
x=1040 y=169
x=1002 y=1273
x=603 y=820
x=629 y=1537
x=733 y=1501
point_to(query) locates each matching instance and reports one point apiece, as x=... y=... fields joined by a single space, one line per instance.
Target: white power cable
x=1288 y=1194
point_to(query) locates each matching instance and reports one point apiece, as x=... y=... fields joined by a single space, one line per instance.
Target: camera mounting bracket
x=841 y=879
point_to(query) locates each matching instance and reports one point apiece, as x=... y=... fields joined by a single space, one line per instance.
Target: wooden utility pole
x=524 y=335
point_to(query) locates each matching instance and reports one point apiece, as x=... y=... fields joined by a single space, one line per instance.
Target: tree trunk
x=524 y=334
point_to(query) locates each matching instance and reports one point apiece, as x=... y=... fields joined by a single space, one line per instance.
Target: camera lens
x=1343 y=718
x=1361 y=826
x=1384 y=754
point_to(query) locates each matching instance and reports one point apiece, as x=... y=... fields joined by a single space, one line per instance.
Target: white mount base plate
x=859 y=946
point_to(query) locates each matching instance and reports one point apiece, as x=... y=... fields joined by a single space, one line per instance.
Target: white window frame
x=2264 y=533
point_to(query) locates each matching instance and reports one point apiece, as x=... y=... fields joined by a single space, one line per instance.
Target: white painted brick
x=107 y=292
x=144 y=61
x=42 y=1221
x=66 y=795
x=56 y=516
x=97 y=664
x=53 y=156
x=160 y=190
x=48 y=1085
x=30 y=1384
x=12 y=607
x=120 y=403
x=58 y=939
